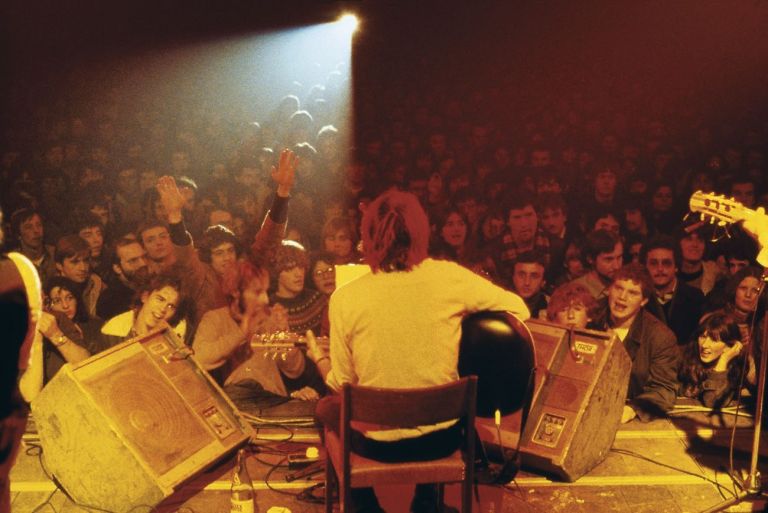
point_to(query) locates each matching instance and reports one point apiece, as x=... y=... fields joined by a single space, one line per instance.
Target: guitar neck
x=280 y=345
x=285 y=341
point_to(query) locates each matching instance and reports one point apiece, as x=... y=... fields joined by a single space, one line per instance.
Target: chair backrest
x=401 y=408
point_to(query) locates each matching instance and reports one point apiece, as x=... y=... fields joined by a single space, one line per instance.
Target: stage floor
x=678 y=464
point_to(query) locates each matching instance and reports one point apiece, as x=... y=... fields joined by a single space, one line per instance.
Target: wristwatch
x=60 y=340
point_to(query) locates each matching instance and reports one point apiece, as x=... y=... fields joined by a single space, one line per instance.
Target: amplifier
x=581 y=388
x=127 y=426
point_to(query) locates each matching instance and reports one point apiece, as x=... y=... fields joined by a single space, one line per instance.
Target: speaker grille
x=145 y=408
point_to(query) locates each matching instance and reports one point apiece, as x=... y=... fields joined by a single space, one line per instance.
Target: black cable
x=46 y=502
x=271 y=448
x=307 y=495
x=665 y=465
x=277 y=425
x=37 y=450
x=722 y=495
x=271 y=464
x=520 y=496
x=269 y=473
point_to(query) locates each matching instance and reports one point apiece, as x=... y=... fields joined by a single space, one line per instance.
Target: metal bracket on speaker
x=572 y=347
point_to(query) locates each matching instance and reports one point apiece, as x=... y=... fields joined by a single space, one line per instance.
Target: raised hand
x=756 y=225
x=285 y=172
x=171 y=198
x=727 y=355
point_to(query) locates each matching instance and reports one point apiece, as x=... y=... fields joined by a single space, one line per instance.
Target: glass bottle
x=243 y=496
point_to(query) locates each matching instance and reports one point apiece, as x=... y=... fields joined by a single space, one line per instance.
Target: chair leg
x=345 y=498
x=466 y=496
x=331 y=484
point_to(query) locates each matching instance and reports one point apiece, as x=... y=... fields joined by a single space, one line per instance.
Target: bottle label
x=242 y=506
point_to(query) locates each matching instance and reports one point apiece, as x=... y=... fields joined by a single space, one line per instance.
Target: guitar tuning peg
x=274 y=356
x=283 y=356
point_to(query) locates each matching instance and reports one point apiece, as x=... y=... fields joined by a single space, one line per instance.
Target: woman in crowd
x=491 y=227
x=713 y=363
x=573 y=263
x=664 y=214
x=742 y=293
x=68 y=335
x=451 y=242
x=62 y=298
x=340 y=239
x=323 y=273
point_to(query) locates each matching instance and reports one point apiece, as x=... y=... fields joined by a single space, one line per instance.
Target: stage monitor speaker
x=128 y=426
x=582 y=378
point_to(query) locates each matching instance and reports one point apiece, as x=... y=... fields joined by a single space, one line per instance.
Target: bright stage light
x=349 y=22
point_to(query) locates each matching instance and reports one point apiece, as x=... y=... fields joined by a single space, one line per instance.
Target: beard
x=138 y=277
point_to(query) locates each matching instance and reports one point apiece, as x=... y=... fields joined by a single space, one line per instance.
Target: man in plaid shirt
x=522 y=235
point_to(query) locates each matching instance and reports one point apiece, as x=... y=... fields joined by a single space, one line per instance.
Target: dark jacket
x=115 y=299
x=682 y=313
x=655 y=356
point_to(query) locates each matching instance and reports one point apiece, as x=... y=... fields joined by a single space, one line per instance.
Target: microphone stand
x=751 y=487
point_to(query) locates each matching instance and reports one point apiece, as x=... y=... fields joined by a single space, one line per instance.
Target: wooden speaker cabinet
x=581 y=387
x=128 y=426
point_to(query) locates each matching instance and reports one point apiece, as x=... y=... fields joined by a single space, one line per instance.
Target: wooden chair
x=401 y=409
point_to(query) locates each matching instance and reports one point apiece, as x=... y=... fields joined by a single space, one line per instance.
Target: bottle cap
x=278 y=509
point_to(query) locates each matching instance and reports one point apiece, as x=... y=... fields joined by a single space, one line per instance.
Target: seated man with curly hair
x=222 y=344
x=307 y=308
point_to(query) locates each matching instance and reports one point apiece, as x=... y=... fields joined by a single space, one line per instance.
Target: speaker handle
x=572 y=347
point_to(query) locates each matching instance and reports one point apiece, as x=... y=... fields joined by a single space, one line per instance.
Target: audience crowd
x=225 y=227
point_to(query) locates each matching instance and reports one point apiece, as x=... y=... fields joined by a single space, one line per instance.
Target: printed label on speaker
x=585 y=347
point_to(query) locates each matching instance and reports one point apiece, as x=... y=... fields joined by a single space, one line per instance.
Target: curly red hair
x=238 y=278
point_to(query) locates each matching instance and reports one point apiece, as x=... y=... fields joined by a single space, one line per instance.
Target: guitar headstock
x=717 y=209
